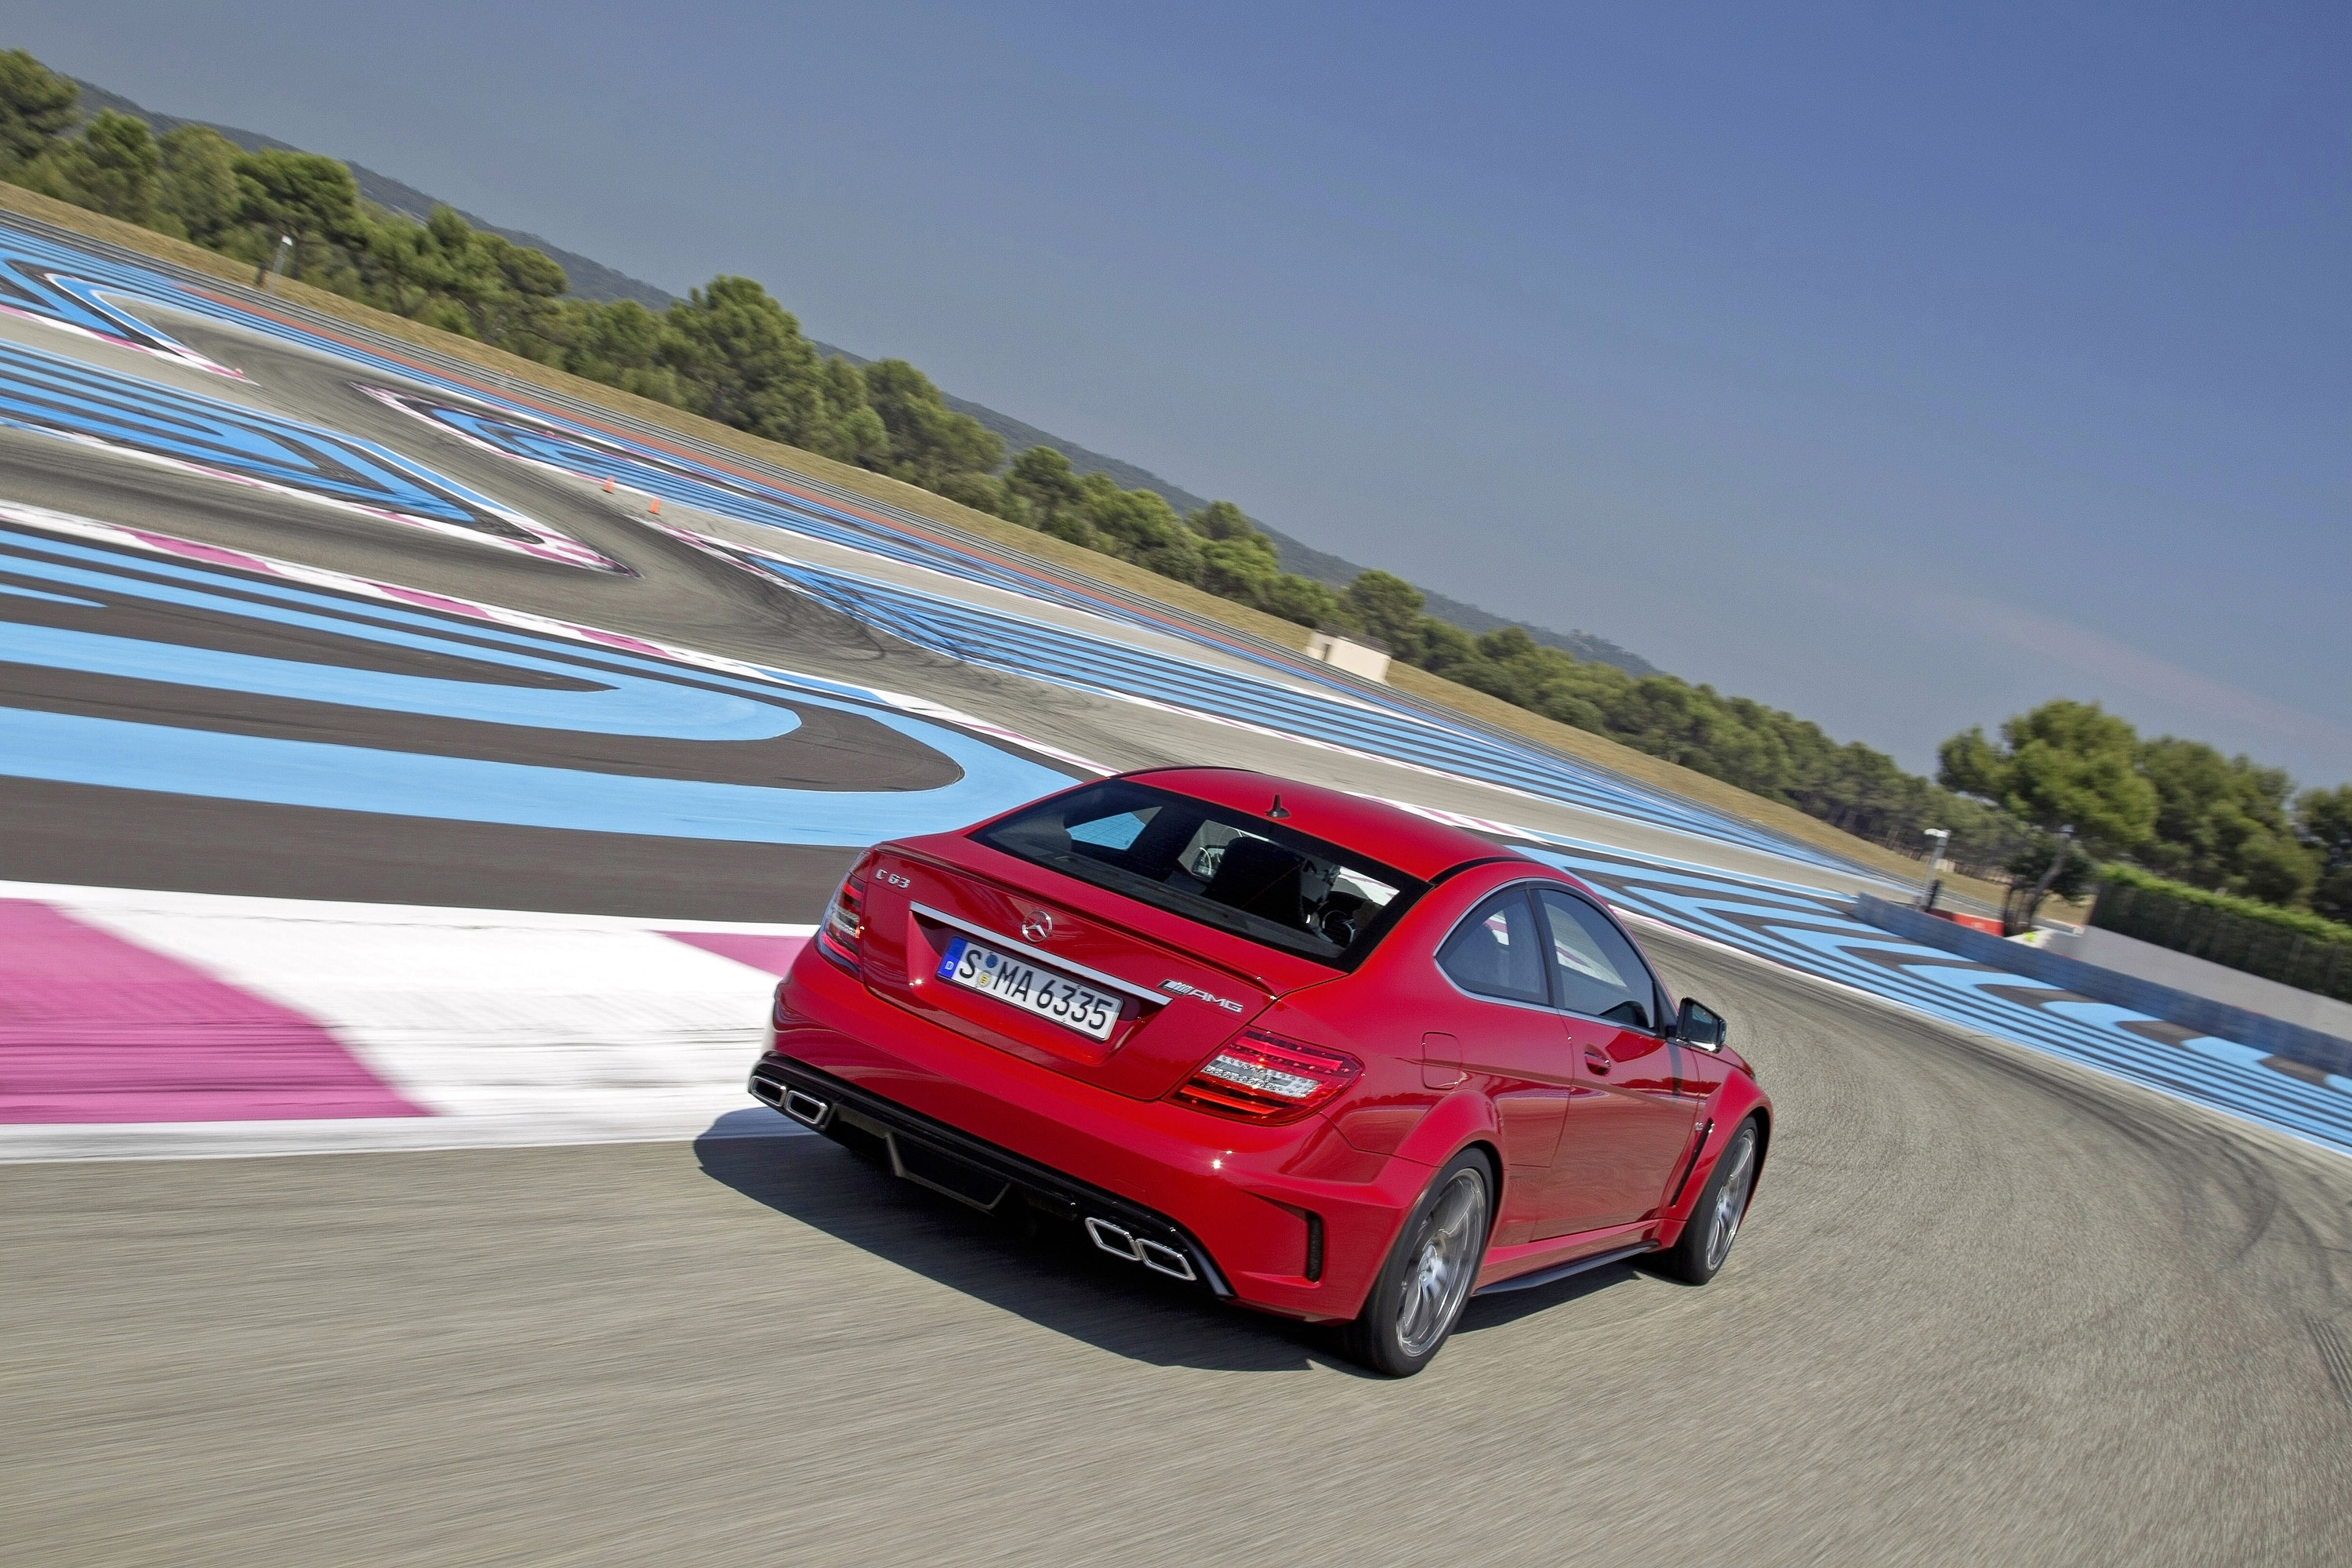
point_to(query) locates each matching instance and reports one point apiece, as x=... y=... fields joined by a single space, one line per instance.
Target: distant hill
x=1297 y=555
x=590 y=279
x=593 y=279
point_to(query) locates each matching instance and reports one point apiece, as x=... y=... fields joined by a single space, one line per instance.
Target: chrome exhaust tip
x=1156 y=1256
x=804 y=1109
x=1161 y=1259
x=769 y=1093
x=1115 y=1240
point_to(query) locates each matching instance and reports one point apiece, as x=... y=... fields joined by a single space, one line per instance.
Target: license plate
x=1065 y=1002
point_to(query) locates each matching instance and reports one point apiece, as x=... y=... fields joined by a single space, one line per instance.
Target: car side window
x=1595 y=970
x=1495 y=951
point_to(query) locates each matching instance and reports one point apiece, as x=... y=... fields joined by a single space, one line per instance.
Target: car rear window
x=1222 y=866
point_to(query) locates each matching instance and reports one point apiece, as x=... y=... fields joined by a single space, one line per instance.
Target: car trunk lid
x=1177 y=1003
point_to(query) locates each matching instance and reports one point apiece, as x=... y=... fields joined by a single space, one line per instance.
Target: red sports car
x=1323 y=1056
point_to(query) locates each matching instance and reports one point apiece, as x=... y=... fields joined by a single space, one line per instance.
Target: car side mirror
x=1701 y=1026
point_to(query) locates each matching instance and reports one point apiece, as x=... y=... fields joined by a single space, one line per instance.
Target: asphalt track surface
x=1990 y=1307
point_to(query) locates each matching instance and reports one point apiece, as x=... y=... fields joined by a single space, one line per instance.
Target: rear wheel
x=1715 y=1218
x=1423 y=1286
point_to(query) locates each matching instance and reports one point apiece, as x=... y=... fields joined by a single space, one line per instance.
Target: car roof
x=1390 y=835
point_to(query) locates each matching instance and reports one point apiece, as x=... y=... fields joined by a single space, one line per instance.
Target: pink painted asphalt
x=95 y=1028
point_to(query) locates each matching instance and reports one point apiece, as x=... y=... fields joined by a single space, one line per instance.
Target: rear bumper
x=981 y=1174
x=1285 y=1219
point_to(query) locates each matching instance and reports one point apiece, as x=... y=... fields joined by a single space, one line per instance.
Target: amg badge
x=1194 y=992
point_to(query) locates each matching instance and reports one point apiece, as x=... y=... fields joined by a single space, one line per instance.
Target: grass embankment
x=1072 y=559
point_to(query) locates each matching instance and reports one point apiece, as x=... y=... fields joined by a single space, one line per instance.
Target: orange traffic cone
x=656 y=506
x=608 y=486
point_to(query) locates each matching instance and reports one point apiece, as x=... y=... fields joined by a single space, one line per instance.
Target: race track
x=338 y=692
x=1991 y=1308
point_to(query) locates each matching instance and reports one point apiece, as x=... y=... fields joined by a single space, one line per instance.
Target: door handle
x=1595 y=1060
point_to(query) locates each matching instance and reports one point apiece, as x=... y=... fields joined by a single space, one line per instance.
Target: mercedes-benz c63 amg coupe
x=1319 y=1055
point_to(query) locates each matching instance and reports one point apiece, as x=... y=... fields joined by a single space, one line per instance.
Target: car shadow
x=1048 y=1275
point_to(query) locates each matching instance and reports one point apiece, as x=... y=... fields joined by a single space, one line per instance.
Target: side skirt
x=1561 y=1271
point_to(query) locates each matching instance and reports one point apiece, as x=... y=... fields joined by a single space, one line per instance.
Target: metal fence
x=2274 y=952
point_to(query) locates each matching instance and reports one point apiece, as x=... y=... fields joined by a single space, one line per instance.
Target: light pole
x=276 y=265
x=1943 y=837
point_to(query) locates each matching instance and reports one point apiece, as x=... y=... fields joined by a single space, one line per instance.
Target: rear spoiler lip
x=1471 y=865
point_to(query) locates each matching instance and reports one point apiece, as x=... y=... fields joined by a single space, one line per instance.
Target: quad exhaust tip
x=1156 y=1256
x=806 y=1108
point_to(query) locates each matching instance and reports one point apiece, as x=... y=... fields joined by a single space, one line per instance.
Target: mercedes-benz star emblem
x=1038 y=926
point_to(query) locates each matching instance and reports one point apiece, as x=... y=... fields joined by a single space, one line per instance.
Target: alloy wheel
x=1731 y=1200
x=1443 y=1266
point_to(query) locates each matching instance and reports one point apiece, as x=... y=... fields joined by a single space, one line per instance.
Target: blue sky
x=1898 y=366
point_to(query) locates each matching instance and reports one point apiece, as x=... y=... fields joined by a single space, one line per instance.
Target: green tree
x=1694 y=726
x=2323 y=821
x=858 y=434
x=1236 y=560
x=1223 y=520
x=928 y=441
x=313 y=198
x=517 y=296
x=1308 y=603
x=1387 y=605
x=113 y=167
x=1140 y=526
x=2064 y=764
x=742 y=361
x=196 y=191
x=985 y=492
x=622 y=344
x=2046 y=864
x=1043 y=479
x=1439 y=646
x=405 y=266
x=2222 y=822
x=36 y=109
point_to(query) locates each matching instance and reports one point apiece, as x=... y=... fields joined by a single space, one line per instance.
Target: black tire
x=1430 y=1271
x=1722 y=1206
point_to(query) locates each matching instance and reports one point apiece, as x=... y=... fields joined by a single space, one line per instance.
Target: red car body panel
x=1602 y=1135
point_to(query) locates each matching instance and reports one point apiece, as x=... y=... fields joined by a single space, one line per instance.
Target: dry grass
x=1071 y=559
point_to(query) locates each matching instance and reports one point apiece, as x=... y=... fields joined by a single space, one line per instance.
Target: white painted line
x=738 y=1117
x=509 y=1028
x=234 y=906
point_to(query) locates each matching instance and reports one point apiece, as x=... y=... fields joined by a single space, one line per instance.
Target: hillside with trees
x=731 y=353
x=593 y=280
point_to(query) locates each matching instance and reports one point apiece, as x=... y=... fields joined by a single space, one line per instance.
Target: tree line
x=2179 y=808
x=730 y=353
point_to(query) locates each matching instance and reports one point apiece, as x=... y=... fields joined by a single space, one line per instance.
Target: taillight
x=1259 y=1076
x=845 y=917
